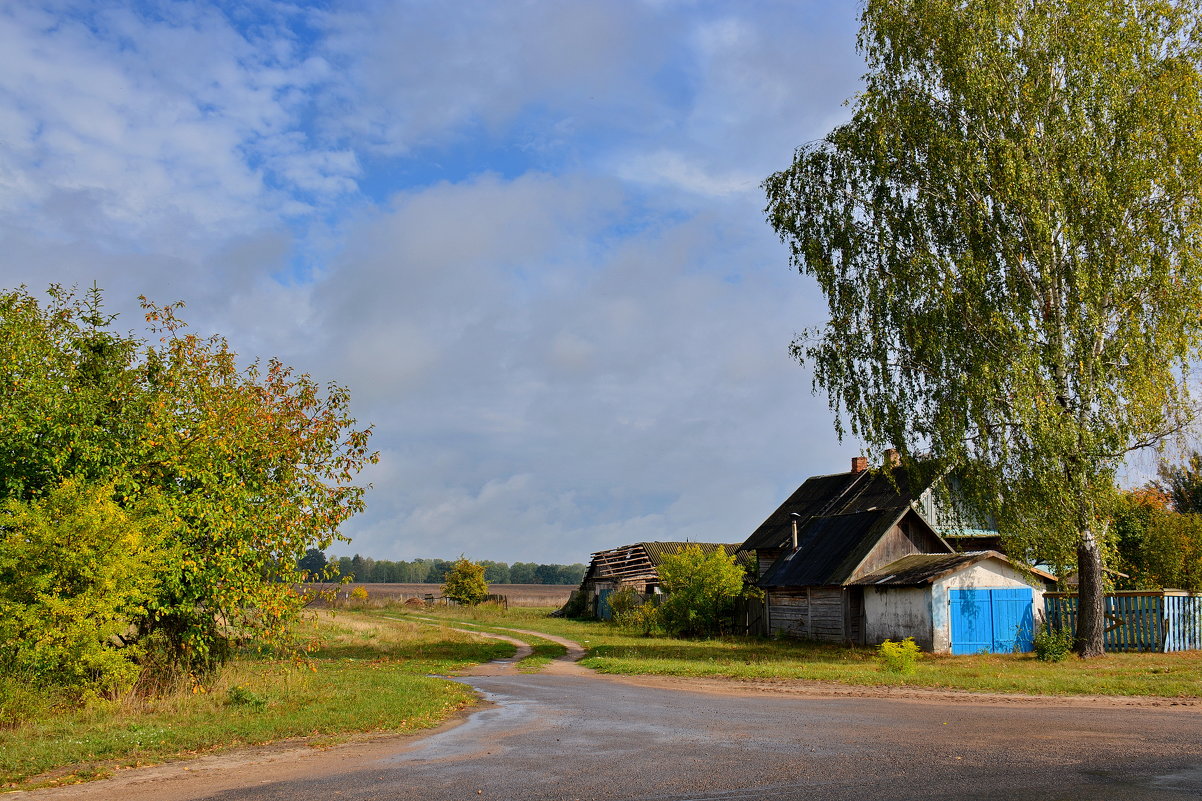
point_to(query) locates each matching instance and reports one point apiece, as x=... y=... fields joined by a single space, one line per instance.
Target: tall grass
x=362 y=675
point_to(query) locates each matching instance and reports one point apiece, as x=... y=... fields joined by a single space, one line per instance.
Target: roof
x=838 y=494
x=830 y=548
x=642 y=558
x=926 y=568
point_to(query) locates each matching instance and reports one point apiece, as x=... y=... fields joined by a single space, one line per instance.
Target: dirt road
x=569 y=734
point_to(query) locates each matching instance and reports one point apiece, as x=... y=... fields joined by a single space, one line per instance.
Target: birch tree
x=1007 y=235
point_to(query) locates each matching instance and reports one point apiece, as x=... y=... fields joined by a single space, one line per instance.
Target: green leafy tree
x=314 y=564
x=523 y=573
x=259 y=464
x=76 y=574
x=1171 y=552
x=1007 y=233
x=465 y=582
x=496 y=572
x=700 y=590
x=254 y=465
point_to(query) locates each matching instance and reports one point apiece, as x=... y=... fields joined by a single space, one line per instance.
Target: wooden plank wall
x=817 y=613
x=898 y=542
x=765 y=558
x=789 y=612
x=826 y=614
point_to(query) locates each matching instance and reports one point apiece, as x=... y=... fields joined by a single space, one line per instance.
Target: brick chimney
x=859 y=464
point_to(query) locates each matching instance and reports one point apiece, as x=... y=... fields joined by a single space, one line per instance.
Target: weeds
x=1053 y=643
x=899 y=657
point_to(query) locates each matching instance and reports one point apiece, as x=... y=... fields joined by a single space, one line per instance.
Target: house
x=849 y=558
x=635 y=566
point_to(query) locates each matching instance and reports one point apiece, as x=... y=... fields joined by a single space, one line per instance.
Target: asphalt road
x=570 y=735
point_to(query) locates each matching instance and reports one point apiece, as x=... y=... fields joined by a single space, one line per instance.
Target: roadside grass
x=492 y=618
x=363 y=675
x=544 y=653
x=611 y=649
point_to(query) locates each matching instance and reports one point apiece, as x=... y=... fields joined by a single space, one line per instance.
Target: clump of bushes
x=632 y=612
x=899 y=657
x=465 y=582
x=1053 y=643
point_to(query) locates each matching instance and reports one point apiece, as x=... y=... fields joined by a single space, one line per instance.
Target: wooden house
x=849 y=558
x=635 y=566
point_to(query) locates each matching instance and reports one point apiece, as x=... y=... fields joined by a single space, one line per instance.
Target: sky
x=528 y=236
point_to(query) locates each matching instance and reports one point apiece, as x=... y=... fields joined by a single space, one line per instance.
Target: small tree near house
x=465 y=582
x=700 y=590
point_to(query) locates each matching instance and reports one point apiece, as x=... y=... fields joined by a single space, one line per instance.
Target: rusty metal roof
x=926 y=568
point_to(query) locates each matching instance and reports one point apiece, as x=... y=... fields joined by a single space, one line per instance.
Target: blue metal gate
x=996 y=621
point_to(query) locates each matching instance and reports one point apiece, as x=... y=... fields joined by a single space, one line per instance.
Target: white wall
x=894 y=613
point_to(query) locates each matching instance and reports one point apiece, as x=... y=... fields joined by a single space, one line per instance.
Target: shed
x=960 y=603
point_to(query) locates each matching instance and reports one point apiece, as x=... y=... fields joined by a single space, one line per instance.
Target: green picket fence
x=1163 y=620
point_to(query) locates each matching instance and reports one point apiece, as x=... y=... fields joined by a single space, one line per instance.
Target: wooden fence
x=1164 y=620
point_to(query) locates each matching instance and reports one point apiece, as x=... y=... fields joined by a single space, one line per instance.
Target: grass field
x=534 y=595
x=613 y=650
x=365 y=675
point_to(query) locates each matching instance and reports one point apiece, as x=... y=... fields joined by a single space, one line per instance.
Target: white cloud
x=422 y=72
x=556 y=360
x=535 y=382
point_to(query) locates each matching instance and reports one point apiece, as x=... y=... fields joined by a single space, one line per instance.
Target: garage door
x=993 y=620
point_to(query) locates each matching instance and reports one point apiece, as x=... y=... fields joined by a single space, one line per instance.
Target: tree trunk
x=1091 y=616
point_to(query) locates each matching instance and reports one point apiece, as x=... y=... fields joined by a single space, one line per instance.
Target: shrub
x=76 y=573
x=630 y=611
x=621 y=602
x=644 y=618
x=465 y=582
x=899 y=657
x=241 y=696
x=359 y=595
x=577 y=605
x=1053 y=643
x=701 y=590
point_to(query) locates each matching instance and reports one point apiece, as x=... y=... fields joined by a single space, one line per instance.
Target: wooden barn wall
x=896 y=543
x=765 y=557
x=789 y=612
x=827 y=614
x=817 y=613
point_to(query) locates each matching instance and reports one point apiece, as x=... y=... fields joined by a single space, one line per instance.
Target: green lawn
x=613 y=650
x=365 y=675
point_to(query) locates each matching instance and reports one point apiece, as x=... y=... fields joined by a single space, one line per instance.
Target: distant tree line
x=433 y=571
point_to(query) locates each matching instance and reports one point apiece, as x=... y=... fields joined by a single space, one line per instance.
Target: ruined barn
x=635 y=566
